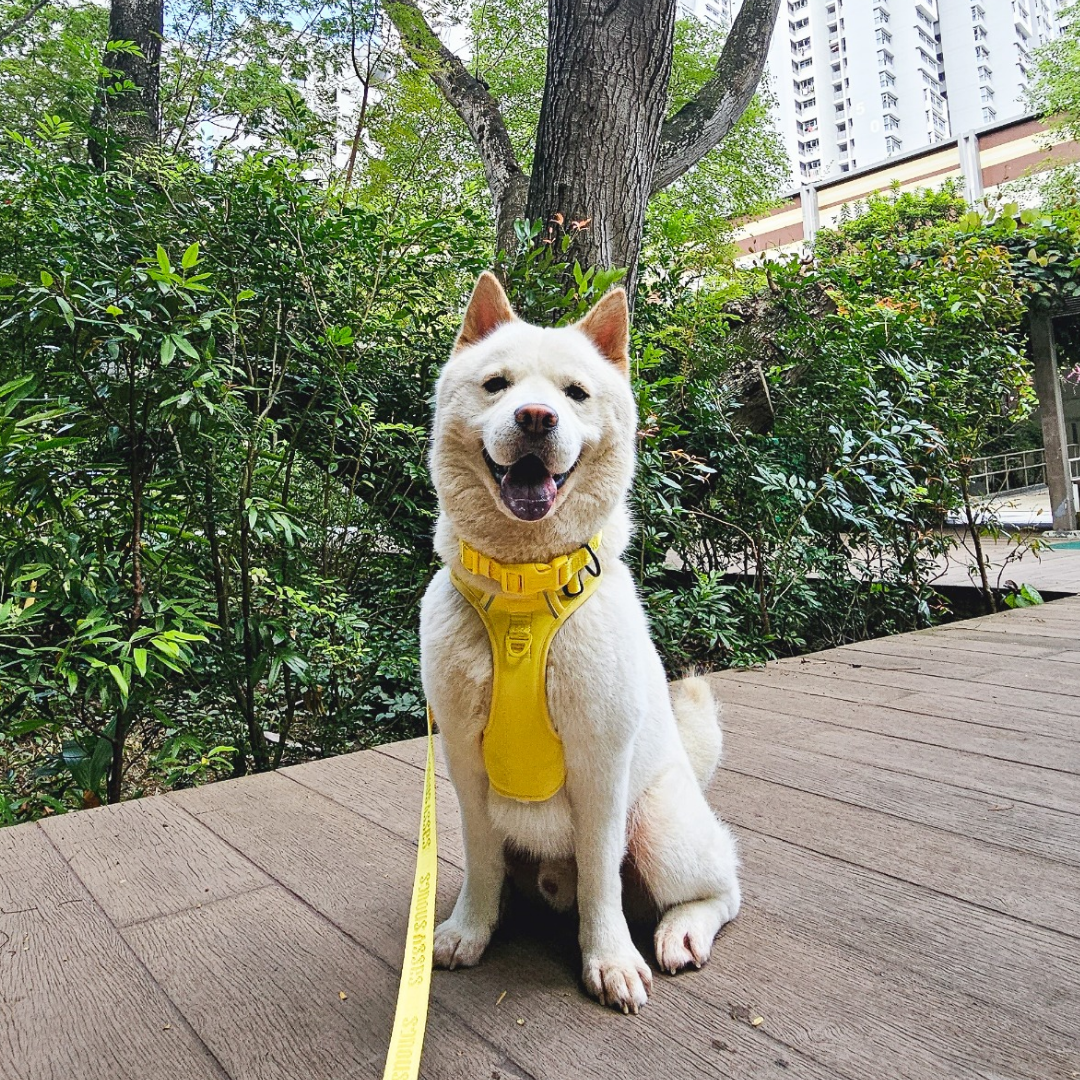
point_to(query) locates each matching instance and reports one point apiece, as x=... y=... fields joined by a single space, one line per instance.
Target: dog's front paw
x=459 y=945
x=622 y=980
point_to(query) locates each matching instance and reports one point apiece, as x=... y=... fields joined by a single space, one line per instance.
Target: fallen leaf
x=757 y=1021
x=500 y=1001
x=342 y=995
x=521 y=1021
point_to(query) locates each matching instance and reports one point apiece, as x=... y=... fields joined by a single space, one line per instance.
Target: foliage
x=1054 y=89
x=216 y=518
x=51 y=66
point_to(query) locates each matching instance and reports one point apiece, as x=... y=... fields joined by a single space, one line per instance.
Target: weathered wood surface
x=909 y=813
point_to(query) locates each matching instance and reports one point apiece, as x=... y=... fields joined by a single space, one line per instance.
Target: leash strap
x=410 y=1019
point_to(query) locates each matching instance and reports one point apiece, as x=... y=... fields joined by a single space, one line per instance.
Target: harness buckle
x=519 y=637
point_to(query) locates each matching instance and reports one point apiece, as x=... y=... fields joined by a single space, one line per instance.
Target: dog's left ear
x=607 y=326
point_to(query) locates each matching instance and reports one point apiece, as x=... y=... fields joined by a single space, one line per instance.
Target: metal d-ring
x=596 y=562
x=593 y=570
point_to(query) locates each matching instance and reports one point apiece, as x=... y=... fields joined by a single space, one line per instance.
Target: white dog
x=532 y=456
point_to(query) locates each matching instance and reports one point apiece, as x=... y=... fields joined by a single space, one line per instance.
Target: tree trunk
x=608 y=66
x=602 y=144
x=128 y=119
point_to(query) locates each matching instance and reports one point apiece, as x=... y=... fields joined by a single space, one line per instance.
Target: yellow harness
x=523 y=753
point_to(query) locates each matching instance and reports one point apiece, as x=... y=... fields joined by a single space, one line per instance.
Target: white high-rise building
x=859 y=81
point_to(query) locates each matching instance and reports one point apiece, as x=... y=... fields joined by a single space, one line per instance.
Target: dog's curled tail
x=697 y=714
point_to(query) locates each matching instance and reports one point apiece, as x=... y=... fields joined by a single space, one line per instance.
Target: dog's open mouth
x=526 y=487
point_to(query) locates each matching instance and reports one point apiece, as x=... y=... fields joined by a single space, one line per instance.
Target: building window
x=980 y=33
x=888 y=101
x=881 y=16
x=893 y=145
x=986 y=94
x=886 y=79
x=890 y=122
x=882 y=37
x=884 y=58
x=989 y=115
x=977 y=13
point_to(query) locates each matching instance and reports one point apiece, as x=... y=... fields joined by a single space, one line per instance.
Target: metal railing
x=1019 y=469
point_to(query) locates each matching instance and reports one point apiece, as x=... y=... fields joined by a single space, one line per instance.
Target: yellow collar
x=527 y=578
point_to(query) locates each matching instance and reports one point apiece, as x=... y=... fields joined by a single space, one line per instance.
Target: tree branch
x=22 y=20
x=704 y=120
x=472 y=101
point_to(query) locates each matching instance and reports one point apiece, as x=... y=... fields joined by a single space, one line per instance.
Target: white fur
x=631 y=784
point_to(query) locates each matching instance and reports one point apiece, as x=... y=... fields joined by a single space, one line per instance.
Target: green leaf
x=46 y=279
x=140 y=660
x=118 y=677
x=112 y=309
x=168 y=349
x=163 y=260
x=65 y=310
x=186 y=347
x=191 y=256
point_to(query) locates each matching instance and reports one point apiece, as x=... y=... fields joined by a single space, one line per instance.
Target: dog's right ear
x=488 y=310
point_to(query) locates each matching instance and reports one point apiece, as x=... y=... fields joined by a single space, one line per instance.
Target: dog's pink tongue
x=528 y=489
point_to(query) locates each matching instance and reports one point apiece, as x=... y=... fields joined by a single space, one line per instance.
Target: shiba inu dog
x=532 y=458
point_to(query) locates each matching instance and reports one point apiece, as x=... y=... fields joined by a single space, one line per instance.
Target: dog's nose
x=536 y=419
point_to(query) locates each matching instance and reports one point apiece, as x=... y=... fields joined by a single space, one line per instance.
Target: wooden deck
x=909 y=812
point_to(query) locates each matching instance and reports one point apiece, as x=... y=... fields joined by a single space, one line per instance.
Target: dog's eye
x=575 y=392
x=495 y=384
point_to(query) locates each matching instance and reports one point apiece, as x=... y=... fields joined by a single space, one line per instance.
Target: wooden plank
x=1028 y=674
x=1000 y=780
x=964 y=636
x=973 y=642
x=961 y=652
x=74 y=1001
x=261 y=975
x=1044 y=714
x=368 y=787
x=855 y=1014
x=1014 y=883
x=359 y=876
x=1032 y=631
x=1001 y=743
x=1029 y=973
x=414 y=751
x=147 y=858
x=1020 y=826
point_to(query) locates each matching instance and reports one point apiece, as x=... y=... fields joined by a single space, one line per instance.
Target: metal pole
x=811 y=218
x=971 y=166
x=1048 y=391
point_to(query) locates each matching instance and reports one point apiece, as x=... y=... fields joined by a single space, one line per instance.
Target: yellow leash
x=410 y=1019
